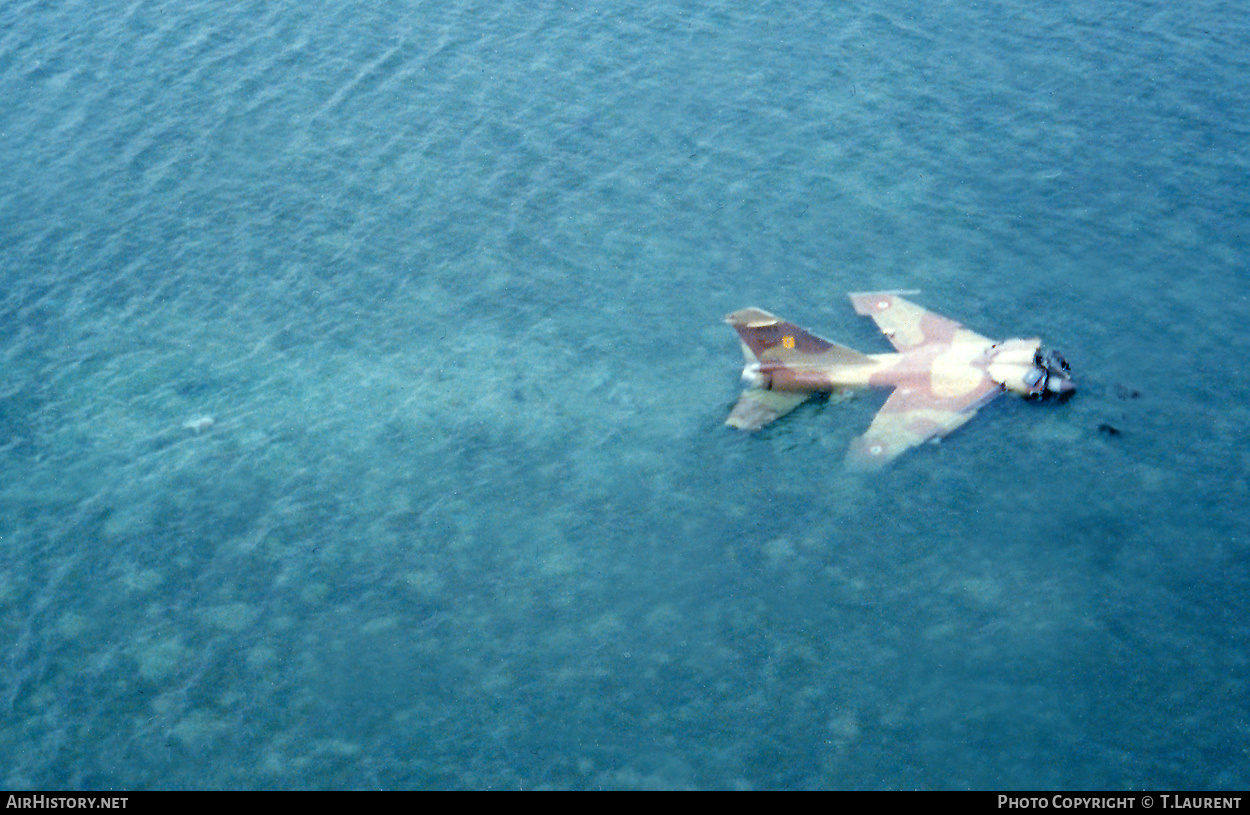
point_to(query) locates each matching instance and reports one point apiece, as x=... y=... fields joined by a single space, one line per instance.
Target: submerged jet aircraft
x=940 y=376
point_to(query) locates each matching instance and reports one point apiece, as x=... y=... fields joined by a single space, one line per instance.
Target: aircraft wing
x=757 y=407
x=912 y=416
x=907 y=325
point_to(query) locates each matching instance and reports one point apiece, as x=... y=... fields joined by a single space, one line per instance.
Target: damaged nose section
x=1026 y=369
x=1051 y=376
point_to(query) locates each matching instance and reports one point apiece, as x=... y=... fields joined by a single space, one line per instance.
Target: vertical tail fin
x=765 y=335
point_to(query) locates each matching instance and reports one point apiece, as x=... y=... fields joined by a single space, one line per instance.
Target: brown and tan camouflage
x=941 y=374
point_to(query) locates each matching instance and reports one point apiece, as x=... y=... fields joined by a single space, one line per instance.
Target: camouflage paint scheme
x=941 y=374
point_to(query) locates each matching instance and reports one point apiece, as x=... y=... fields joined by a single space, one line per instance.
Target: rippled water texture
x=362 y=383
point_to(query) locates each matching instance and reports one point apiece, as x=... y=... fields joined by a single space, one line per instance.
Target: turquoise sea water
x=448 y=279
